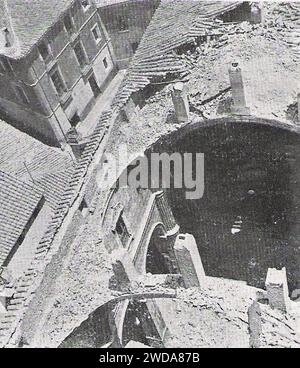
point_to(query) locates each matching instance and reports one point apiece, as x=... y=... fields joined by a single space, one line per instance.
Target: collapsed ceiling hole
x=248 y=218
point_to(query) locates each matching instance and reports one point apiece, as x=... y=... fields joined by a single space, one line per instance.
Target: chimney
x=189 y=261
x=277 y=289
x=237 y=90
x=180 y=102
x=256 y=13
x=8 y=37
x=254 y=325
x=75 y=142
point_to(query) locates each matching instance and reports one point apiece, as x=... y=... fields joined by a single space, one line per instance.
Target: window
x=94 y=85
x=5 y=65
x=123 y=23
x=22 y=95
x=96 y=33
x=122 y=231
x=83 y=208
x=80 y=54
x=44 y=51
x=75 y=120
x=85 y=4
x=105 y=63
x=58 y=82
x=68 y=22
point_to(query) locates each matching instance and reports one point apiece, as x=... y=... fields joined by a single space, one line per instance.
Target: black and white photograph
x=149 y=177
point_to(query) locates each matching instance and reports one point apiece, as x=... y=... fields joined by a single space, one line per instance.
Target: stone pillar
x=255 y=325
x=256 y=13
x=277 y=289
x=124 y=271
x=165 y=211
x=130 y=111
x=74 y=141
x=180 y=102
x=189 y=261
x=172 y=228
x=237 y=90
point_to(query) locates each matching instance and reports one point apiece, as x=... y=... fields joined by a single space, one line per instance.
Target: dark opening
x=139 y=326
x=58 y=82
x=122 y=231
x=248 y=218
x=68 y=23
x=134 y=46
x=83 y=208
x=156 y=258
x=75 y=120
x=94 y=86
x=239 y=14
x=93 y=332
x=105 y=63
x=44 y=51
x=80 y=55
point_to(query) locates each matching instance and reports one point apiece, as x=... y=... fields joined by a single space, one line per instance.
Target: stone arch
x=198 y=123
x=286 y=145
x=251 y=123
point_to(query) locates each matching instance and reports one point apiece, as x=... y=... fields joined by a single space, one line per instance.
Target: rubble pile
x=221 y=311
x=284 y=19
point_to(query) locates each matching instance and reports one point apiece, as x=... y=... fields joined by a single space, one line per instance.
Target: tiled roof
x=27 y=284
x=29 y=20
x=35 y=163
x=18 y=201
x=175 y=23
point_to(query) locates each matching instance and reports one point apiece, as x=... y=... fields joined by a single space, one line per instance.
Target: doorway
x=94 y=85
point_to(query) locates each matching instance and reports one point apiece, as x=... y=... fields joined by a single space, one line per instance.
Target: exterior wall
x=26 y=120
x=132 y=204
x=137 y=14
x=143 y=205
x=33 y=74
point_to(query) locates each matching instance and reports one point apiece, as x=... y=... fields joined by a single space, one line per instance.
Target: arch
x=105 y=326
x=265 y=201
x=200 y=123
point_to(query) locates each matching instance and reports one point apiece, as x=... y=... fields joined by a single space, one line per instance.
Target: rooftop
x=175 y=23
x=159 y=59
x=46 y=168
x=199 y=68
x=28 y=20
x=18 y=201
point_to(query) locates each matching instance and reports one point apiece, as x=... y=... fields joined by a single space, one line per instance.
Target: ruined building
x=134 y=266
